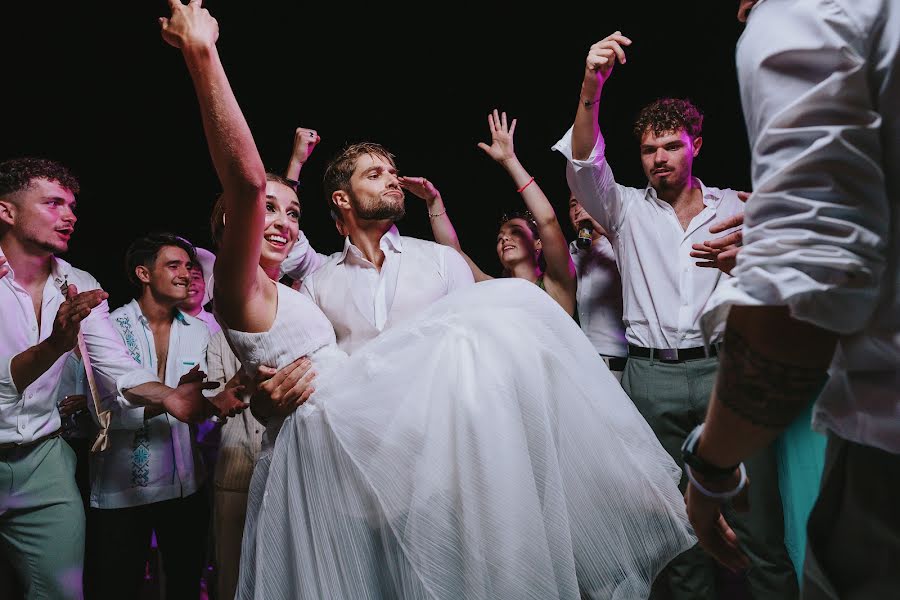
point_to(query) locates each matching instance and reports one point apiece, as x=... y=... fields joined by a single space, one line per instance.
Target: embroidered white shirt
x=155 y=459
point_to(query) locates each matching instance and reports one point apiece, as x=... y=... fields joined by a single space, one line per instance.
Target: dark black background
x=93 y=85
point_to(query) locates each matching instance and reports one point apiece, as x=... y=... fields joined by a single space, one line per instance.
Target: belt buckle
x=667 y=354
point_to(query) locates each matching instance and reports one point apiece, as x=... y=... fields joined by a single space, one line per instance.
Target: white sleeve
x=457 y=272
x=817 y=226
x=302 y=259
x=592 y=182
x=115 y=371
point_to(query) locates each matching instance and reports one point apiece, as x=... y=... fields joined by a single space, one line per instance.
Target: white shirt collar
x=711 y=198
x=389 y=241
x=60 y=271
x=135 y=307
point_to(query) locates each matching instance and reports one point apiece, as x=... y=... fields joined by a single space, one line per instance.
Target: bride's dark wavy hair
x=529 y=219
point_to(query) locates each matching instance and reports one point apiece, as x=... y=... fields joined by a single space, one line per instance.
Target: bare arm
x=815 y=235
x=234 y=155
x=560 y=268
x=598 y=67
x=441 y=226
x=305 y=141
x=772 y=366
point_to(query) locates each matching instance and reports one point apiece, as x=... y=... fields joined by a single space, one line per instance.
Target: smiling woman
x=413 y=470
x=530 y=243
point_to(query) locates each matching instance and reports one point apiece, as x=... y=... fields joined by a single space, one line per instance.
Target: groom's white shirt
x=361 y=301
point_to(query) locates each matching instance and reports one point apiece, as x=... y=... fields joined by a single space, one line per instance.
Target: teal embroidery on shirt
x=140 y=458
x=140 y=445
x=130 y=341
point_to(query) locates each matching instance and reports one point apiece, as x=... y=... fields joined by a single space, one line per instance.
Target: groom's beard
x=379 y=209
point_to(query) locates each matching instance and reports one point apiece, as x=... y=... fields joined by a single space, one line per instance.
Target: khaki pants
x=42 y=519
x=853 y=550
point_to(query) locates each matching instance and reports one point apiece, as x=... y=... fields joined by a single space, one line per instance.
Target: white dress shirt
x=155 y=459
x=599 y=297
x=820 y=87
x=360 y=300
x=302 y=259
x=28 y=414
x=663 y=290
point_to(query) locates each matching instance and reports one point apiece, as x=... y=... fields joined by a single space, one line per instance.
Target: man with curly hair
x=670 y=370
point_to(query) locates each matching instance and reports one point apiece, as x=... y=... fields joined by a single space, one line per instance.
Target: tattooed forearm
x=767 y=392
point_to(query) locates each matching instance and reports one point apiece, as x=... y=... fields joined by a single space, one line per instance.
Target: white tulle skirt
x=482 y=451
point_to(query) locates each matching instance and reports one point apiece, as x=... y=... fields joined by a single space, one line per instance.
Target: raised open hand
x=501 y=148
x=189 y=25
x=600 y=61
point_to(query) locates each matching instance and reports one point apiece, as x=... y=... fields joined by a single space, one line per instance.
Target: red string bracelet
x=530 y=181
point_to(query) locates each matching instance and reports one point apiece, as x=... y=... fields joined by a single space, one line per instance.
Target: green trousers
x=673 y=397
x=42 y=519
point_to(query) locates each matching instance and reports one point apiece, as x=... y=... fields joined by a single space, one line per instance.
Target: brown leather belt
x=33 y=443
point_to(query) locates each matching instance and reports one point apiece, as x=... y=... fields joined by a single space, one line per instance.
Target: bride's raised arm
x=238 y=276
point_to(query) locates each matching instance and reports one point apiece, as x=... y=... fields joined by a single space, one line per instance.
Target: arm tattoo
x=767 y=392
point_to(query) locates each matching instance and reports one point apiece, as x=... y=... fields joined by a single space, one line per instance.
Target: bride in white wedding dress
x=482 y=450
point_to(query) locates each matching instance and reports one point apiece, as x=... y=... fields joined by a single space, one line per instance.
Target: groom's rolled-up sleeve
x=818 y=222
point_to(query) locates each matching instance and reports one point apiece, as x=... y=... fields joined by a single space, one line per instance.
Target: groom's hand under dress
x=279 y=393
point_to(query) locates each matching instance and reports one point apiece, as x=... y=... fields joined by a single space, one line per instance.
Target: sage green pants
x=673 y=398
x=42 y=519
